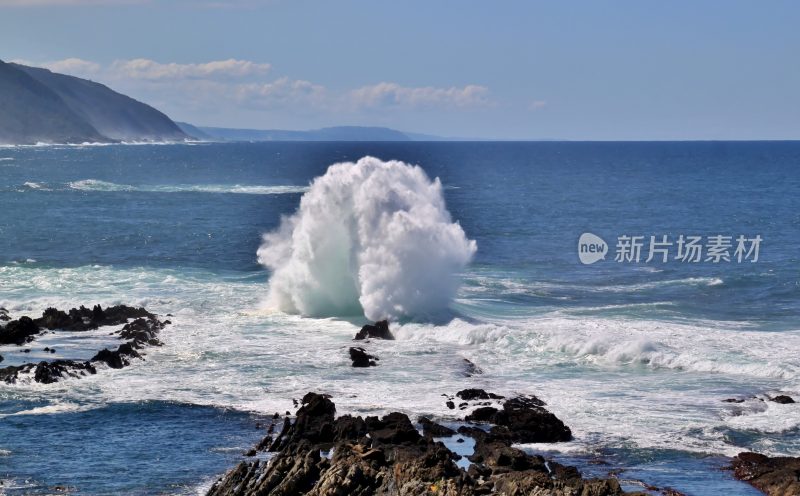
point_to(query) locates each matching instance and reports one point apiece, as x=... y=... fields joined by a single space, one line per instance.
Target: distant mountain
x=195 y=132
x=37 y=105
x=30 y=112
x=339 y=133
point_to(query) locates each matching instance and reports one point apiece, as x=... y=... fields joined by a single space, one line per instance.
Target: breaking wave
x=98 y=185
x=369 y=237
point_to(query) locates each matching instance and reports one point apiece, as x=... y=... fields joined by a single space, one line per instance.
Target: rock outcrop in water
x=774 y=476
x=379 y=330
x=388 y=456
x=361 y=358
x=140 y=332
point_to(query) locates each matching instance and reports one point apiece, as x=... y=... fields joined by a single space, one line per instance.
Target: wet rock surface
x=774 y=476
x=378 y=330
x=361 y=358
x=388 y=456
x=140 y=332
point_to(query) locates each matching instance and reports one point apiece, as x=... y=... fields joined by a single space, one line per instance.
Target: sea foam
x=369 y=237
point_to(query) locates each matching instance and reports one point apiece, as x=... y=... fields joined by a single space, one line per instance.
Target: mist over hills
x=40 y=106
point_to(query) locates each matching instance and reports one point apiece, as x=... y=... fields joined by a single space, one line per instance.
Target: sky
x=573 y=70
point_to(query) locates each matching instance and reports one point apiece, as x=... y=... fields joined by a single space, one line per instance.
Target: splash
x=369 y=237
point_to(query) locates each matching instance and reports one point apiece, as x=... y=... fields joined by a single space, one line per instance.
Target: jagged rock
x=118 y=358
x=47 y=372
x=142 y=331
x=361 y=358
x=84 y=319
x=529 y=422
x=139 y=333
x=50 y=372
x=432 y=429
x=782 y=399
x=522 y=420
x=470 y=369
x=482 y=414
x=4 y=315
x=477 y=394
x=379 y=330
x=19 y=331
x=387 y=456
x=777 y=476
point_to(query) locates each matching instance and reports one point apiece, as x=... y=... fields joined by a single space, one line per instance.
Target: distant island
x=40 y=106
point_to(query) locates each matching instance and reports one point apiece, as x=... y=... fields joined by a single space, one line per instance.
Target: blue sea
x=636 y=357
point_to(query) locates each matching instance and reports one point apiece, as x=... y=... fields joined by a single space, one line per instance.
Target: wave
x=105 y=186
x=30 y=185
x=369 y=237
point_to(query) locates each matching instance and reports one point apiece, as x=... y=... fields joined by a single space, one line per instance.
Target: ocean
x=636 y=357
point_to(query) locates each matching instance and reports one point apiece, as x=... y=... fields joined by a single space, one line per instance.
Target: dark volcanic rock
x=142 y=331
x=118 y=358
x=778 y=476
x=522 y=420
x=380 y=330
x=19 y=331
x=361 y=358
x=387 y=456
x=782 y=399
x=47 y=372
x=477 y=394
x=432 y=429
x=529 y=422
x=50 y=372
x=482 y=414
x=84 y=319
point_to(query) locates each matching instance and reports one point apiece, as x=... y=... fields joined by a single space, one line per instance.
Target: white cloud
x=393 y=94
x=199 y=91
x=537 y=104
x=280 y=90
x=217 y=69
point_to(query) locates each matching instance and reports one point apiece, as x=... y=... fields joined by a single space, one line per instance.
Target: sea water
x=635 y=357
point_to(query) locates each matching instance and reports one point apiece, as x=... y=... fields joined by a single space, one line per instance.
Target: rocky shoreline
x=140 y=329
x=321 y=454
x=317 y=453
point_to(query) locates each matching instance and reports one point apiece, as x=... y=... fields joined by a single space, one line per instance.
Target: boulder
x=782 y=399
x=19 y=331
x=477 y=394
x=774 y=476
x=432 y=429
x=361 y=358
x=118 y=358
x=379 y=330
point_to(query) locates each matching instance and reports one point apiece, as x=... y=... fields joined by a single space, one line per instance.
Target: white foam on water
x=615 y=382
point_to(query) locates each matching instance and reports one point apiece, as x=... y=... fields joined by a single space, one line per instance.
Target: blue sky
x=593 y=70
